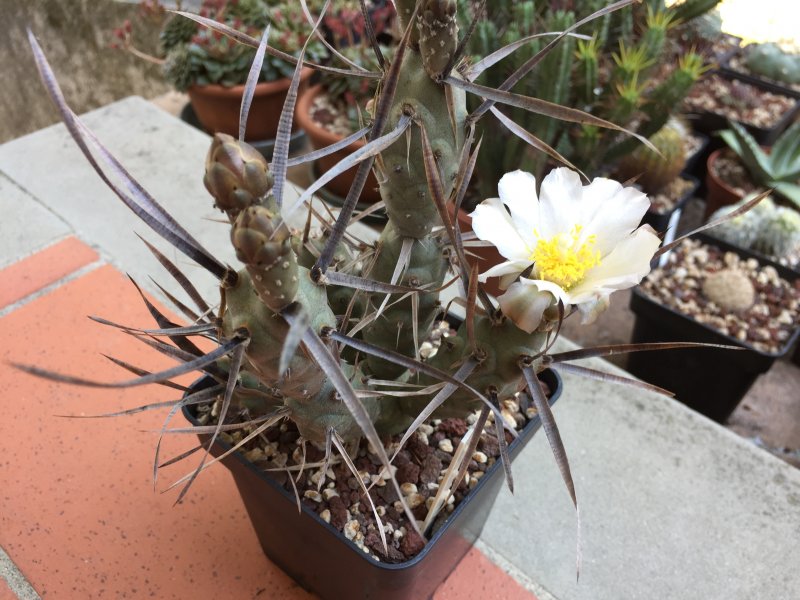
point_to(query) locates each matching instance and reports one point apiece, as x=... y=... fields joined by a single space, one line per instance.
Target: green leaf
x=785 y=155
x=751 y=154
x=790 y=191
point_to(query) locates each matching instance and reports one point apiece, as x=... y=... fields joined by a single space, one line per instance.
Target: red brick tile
x=5 y=591
x=43 y=268
x=478 y=577
x=78 y=513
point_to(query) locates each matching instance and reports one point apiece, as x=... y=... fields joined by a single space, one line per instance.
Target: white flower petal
x=611 y=218
x=491 y=222
x=550 y=288
x=518 y=191
x=505 y=268
x=524 y=305
x=560 y=202
x=624 y=267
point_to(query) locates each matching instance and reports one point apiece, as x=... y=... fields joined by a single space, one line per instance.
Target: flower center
x=564 y=258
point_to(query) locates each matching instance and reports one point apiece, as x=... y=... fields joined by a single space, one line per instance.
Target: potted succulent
x=325 y=346
x=745 y=167
x=708 y=293
x=661 y=176
x=212 y=69
x=336 y=106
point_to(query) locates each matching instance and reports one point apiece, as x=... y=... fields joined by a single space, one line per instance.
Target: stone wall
x=75 y=35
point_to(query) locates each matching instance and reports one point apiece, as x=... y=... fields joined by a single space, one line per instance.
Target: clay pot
x=217 y=107
x=718 y=193
x=320 y=138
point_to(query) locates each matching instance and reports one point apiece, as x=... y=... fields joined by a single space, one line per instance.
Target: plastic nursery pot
x=323 y=561
x=710 y=122
x=696 y=162
x=217 y=107
x=320 y=138
x=728 y=68
x=709 y=380
x=667 y=221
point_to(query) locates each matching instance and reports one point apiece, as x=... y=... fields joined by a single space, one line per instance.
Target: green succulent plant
x=656 y=169
x=768 y=60
x=768 y=228
x=779 y=168
x=623 y=74
x=322 y=330
x=195 y=55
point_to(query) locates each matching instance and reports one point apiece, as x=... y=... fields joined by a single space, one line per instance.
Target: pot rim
x=712 y=173
x=513 y=449
x=314 y=130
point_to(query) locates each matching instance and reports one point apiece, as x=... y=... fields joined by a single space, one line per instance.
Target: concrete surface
x=672 y=505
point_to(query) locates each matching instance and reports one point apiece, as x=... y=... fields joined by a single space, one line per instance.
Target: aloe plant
x=779 y=168
x=320 y=331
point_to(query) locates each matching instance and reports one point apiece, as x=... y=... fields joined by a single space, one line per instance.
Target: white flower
x=580 y=242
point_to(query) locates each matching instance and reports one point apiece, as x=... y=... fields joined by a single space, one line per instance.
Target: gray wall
x=75 y=36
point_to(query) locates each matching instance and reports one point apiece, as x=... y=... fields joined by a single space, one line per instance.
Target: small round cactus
x=780 y=235
x=656 y=172
x=730 y=289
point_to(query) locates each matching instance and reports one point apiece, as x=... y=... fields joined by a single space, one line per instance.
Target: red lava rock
x=408 y=473
x=430 y=469
x=411 y=543
x=418 y=449
x=338 y=512
x=454 y=427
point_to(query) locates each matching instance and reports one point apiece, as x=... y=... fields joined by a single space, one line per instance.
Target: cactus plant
x=770 y=229
x=779 y=168
x=768 y=60
x=729 y=289
x=310 y=330
x=656 y=169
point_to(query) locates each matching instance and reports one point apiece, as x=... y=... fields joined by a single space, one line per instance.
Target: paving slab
x=672 y=505
x=27 y=225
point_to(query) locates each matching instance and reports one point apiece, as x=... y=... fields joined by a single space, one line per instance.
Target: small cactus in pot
x=321 y=330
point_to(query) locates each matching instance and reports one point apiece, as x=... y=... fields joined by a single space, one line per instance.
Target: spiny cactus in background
x=689 y=10
x=623 y=74
x=730 y=289
x=655 y=170
x=768 y=228
x=768 y=60
x=323 y=330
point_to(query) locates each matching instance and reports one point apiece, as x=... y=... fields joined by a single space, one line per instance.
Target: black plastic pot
x=325 y=562
x=725 y=66
x=709 y=380
x=696 y=163
x=709 y=122
x=667 y=221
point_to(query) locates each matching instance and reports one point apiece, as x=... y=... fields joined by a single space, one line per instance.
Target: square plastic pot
x=709 y=122
x=325 y=562
x=711 y=381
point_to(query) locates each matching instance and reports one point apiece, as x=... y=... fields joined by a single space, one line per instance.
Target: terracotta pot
x=718 y=192
x=321 y=137
x=217 y=107
x=485 y=257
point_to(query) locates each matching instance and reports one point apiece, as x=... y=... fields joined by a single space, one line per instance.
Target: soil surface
x=737 y=63
x=731 y=170
x=737 y=100
x=335 y=493
x=766 y=324
x=332 y=115
x=669 y=196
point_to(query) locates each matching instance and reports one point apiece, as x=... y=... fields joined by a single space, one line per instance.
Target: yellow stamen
x=563 y=260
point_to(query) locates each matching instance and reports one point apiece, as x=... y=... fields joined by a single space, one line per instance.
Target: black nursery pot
x=323 y=561
x=709 y=123
x=711 y=381
x=668 y=221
